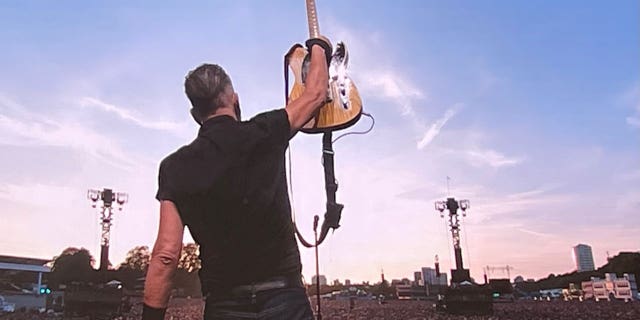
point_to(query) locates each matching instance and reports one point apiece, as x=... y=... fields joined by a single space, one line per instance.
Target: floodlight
x=122 y=198
x=93 y=195
x=464 y=204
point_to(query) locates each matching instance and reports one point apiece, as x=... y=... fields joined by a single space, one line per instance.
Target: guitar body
x=344 y=107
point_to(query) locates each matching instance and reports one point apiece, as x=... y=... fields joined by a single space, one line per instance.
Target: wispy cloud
x=130 y=116
x=492 y=158
x=629 y=175
x=28 y=129
x=435 y=128
x=536 y=233
x=8 y=103
x=633 y=121
x=389 y=85
x=510 y=204
x=533 y=193
x=375 y=76
x=58 y=196
x=632 y=98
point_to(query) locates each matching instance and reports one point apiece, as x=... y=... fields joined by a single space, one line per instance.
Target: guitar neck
x=312 y=17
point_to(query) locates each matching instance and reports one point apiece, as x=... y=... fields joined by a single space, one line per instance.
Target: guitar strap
x=333 y=209
x=286 y=71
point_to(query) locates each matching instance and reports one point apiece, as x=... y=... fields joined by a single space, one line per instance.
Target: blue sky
x=533 y=109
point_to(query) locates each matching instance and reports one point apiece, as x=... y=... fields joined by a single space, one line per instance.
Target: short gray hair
x=204 y=86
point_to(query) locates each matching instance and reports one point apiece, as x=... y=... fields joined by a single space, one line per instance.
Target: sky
x=532 y=108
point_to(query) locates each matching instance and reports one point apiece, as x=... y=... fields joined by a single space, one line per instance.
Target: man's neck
x=224 y=112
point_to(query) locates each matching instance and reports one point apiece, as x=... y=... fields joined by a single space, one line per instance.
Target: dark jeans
x=276 y=304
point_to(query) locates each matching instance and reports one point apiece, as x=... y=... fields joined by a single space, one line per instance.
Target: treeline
x=624 y=262
x=78 y=265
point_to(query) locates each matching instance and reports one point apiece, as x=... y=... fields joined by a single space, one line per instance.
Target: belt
x=250 y=290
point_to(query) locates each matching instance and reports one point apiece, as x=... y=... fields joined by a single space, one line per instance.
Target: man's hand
x=302 y=109
x=324 y=43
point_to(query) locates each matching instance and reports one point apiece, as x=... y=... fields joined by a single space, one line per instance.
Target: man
x=229 y=187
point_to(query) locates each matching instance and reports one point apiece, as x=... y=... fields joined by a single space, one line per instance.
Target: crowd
x=415 y=310
x=525 y=310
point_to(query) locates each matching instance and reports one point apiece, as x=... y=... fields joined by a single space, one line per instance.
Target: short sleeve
x=272 y=127
x=166 y=186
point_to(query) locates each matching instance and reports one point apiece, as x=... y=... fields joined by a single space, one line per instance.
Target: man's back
x=229 y=186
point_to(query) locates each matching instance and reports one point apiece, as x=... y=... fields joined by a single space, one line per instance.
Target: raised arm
x=314 y=95
x=164 y=262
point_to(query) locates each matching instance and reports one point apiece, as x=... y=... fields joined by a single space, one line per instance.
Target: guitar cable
x=327 y=140
x=286 y=98
x=316 y=243
x=373 y=123
x=290 y=162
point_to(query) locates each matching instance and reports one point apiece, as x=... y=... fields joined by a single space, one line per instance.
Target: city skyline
x=535 y=118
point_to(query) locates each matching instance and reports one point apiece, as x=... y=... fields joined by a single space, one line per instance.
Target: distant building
x=323 y=280
x=23 y=268
x=410 y=292
x=430 y=277
x=336 y=282
x=347 y=282
x=417 y=278
x=404 y=281
x=583 y=257
x=22 y=281
x=611 y=287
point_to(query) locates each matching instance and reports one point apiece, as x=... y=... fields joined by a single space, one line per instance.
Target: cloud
x=130 y=116
x=632 y=97
x=492 y=158
x=374 y=72
x=535 y=192
x=391 y=86
x=535 y=233
x=54 y=196
x=634 y=122
x=435 y=128
x=27 y=129
x=8 y=103
x=629 y=175
x=497 y=205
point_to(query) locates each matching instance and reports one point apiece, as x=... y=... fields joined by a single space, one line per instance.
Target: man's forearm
x=159 y=281
x=314 y=94
x=318 y=77
x=164 y=262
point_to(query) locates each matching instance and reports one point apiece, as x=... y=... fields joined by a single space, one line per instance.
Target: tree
x=137 y=259
x=186 y=280
x=189 y=260
x=624 y=262
x=72 y=264
x=134 y=266
x=383 y=288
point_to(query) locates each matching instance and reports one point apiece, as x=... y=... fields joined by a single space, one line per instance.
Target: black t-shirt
x=230 y=188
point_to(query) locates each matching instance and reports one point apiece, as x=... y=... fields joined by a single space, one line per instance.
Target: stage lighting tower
x=108 y=198
x=459 y=274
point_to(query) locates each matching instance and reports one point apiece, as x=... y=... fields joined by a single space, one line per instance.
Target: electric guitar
x=344 y=105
